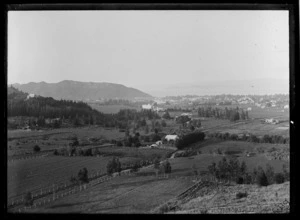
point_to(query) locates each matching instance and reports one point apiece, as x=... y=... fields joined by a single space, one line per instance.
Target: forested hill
x=73 y=90
x=20 y=104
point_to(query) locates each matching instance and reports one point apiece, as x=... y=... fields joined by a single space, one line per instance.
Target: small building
x=30 y=96
x=158 y=143
x=147 y=107
x=286 y=107
x=249 y=109
x=170 y=137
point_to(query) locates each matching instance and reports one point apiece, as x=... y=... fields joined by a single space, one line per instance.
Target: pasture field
x=111 y=109
x=258 y=112
x=32 y=174
x=243 y=127
x=241 y=146
x=20 y=141
x=123 y=194
x=141 y=153
x=183 y=165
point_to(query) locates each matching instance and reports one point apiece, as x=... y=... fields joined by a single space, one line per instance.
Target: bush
x=28 y=200
x=279 y=178
x=164 y=208
x=55 y=152
x=189 y=139
x=36 y=148
x=240 y=195
x=262 y=179
x=135 y=167
x=240 y=180
x=83 y=176
x=167 y=167
x=113 y=166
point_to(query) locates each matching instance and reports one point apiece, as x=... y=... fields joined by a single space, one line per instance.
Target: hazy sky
x=146 y=48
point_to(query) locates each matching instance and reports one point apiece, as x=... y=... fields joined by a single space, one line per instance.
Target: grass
x=124 y=194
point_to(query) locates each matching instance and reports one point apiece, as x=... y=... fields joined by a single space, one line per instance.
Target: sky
x=147 y=49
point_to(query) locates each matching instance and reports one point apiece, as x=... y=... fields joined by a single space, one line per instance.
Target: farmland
x=143 y=191
x=124 y=194
x=140 y=192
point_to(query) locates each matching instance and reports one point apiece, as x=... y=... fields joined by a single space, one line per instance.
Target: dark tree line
x=272 y=139
x=233 y=170
x=71 y=112
x=188 y=139
x=232 y=114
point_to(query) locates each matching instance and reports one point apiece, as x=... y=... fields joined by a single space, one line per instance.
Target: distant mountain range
x=235 y=87
x=73 y=90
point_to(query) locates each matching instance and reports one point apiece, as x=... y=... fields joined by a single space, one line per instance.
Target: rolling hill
x=73 y=90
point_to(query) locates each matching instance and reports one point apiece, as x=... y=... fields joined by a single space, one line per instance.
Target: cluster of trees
x=114 y=166
x=167 y=115
x=233 y=170
x=76 y=151
x=71 y=112
x=117 y=102
x=81 y=178
x=232 y=114
x=132 y=141
x=272 y=139
x=190 y=138
x=164 y=167
x=46 y=107
x=179 y=109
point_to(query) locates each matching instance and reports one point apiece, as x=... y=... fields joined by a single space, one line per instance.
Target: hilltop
x=73 y=90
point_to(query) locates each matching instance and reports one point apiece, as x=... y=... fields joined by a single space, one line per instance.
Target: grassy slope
x=125 y=194
x=259 y=199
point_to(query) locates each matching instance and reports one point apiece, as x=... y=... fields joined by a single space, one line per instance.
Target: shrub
x=135 y=167
x=279 y=178
x=55 y=152
x=190 y=138
x=156 y=163
x=36 y=148
x=240 y=180
x=219 y=151
x=167 y=167
x=83 y=175
x=113 y=166
x=240 y=195
x=28 y=200
x=164 y=208
x=270 y=173
x=262 y=179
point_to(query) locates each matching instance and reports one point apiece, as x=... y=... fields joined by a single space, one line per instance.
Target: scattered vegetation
x=240 y=195
x=36 y=149
x=113 y=166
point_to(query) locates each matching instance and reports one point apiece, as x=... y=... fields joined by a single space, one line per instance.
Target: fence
x=66 y=190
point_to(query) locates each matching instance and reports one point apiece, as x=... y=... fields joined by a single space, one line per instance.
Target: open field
x=21 y=141
x=124 y=194
x=43 y=172
x=244 y=127
x=111 y=109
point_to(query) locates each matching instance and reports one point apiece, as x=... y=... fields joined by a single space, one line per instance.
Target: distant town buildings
x=30 y=96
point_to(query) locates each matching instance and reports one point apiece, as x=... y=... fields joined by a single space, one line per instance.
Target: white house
x=286 y=107
x=171 y=137
x=148 y=107
x=30 y=96
x=158 y=143
x=249 y=109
